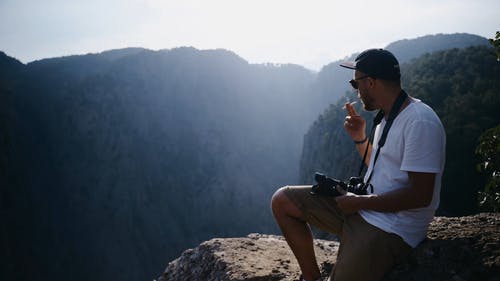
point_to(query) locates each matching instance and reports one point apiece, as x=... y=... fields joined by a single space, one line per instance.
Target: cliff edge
x=456 y=248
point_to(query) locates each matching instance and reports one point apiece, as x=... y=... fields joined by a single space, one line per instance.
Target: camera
x=328 y=187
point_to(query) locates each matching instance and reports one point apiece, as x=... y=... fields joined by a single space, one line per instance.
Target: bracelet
x=361 y=141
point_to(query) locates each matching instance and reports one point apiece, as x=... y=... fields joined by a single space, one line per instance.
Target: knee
x=279 y=199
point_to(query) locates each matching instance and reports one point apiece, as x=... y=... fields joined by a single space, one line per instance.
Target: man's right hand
x=354 y=124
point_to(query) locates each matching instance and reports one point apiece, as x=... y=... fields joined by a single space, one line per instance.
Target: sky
x=310 y=33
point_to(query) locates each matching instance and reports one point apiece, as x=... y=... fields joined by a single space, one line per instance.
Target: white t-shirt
x=415 y=143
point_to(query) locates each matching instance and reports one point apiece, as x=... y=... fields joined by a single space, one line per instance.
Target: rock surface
x=457 y=249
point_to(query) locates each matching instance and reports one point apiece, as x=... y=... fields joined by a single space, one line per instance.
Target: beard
x=367 y=101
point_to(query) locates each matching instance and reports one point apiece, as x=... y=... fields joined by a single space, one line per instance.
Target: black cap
x=377 y=63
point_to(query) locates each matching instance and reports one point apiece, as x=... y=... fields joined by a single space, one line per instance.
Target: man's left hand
x=349 y=203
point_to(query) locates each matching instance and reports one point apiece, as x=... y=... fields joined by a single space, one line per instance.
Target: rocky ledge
x=457 y=249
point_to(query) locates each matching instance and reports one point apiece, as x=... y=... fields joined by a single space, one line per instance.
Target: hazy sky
x=310 y=33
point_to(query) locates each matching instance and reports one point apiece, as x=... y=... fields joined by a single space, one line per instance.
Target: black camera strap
x=396 y=107
x=376 y=121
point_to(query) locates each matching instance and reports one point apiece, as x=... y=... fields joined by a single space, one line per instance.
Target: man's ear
x=372 y=82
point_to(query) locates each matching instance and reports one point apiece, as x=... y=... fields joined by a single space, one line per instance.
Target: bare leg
x=297 y=234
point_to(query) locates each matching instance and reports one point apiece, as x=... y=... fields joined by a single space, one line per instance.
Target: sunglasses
x=354 y=82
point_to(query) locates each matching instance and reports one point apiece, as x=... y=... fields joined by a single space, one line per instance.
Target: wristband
x=361 y=141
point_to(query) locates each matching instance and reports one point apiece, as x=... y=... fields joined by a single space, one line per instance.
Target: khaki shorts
x=366 y=252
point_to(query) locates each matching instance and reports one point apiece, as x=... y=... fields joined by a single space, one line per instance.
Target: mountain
x=407 y=49
x=128 y=157
x=121 y=53
x=9 y=67
x=462 y=86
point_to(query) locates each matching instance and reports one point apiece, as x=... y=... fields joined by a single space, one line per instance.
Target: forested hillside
x=119 y=161
x=462 y=86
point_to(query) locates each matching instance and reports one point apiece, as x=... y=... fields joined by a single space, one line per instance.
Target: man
x=378 y=229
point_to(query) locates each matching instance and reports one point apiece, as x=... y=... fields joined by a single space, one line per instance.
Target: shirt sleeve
x=424 y=147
